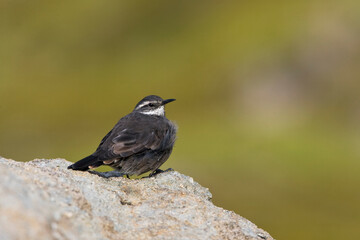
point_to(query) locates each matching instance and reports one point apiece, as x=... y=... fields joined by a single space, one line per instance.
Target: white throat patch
x=158 y=112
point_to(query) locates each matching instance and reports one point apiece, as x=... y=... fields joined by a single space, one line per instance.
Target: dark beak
x=166 y=101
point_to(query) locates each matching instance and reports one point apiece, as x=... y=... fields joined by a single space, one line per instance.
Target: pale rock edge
x=41 y=199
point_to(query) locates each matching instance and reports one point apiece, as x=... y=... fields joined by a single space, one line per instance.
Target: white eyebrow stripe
x=143 y=104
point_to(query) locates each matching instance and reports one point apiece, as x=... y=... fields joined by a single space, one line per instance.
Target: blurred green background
x=268 y=102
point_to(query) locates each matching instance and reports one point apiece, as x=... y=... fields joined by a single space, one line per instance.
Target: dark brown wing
x=130 y=142
x=133 y=134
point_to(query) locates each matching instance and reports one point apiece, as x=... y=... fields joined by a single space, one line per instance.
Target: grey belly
x=142 y=162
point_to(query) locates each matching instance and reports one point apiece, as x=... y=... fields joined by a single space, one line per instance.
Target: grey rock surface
x=41 y=199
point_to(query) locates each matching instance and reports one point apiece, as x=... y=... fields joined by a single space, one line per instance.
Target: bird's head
x=152 y=105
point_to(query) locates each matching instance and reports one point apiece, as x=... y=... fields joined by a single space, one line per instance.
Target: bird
x=139 y=142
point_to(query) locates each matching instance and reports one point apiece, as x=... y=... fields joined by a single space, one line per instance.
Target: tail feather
x=86 y=163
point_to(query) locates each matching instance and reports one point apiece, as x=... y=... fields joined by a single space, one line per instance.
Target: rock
x=41 y=199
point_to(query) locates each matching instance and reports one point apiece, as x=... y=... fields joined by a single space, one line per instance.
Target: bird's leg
x=157 y=171
x=108 y=174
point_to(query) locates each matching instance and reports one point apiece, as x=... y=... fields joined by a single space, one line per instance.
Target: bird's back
x=138 y=143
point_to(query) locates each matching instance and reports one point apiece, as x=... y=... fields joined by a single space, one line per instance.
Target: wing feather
x=129 y=137
x=128 y=143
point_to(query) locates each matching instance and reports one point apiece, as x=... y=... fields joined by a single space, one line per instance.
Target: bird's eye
x=151 y=105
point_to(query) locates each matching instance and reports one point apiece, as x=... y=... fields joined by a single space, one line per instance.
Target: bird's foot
x=108 y=174
x=157 y=171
